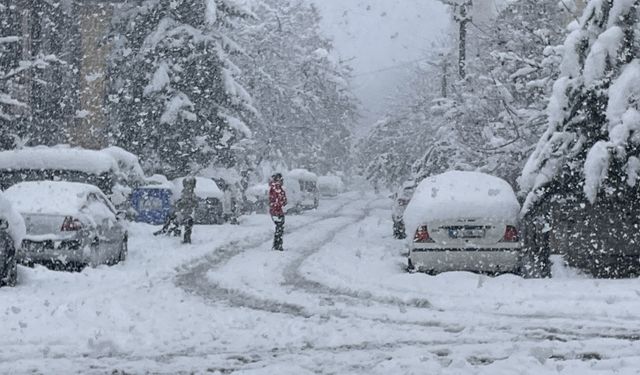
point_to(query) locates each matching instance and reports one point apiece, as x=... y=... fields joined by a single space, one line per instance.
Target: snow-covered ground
x=337 y=301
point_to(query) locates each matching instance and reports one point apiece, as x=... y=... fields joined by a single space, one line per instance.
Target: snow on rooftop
x=49 y=197
x=58 y=158
x=461 y=195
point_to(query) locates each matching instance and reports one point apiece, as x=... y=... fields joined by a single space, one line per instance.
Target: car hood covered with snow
x=461 y=195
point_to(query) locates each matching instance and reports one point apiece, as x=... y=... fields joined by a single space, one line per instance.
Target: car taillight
x=422 y=235
x=71 y=224
x=511 y=234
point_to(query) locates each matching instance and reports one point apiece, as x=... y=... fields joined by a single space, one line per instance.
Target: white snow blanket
x=337 y=301
x=9 y=214
x=205 y=188
x=59 y=158
x=454 y=195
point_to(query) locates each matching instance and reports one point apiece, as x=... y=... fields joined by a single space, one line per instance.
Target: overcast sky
x=381 y=39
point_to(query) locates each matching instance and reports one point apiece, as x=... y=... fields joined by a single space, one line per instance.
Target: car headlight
x=4 y=224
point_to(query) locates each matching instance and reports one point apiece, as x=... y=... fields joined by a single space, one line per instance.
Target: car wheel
x=124 y=249
x=410 y=267
x=12 y=277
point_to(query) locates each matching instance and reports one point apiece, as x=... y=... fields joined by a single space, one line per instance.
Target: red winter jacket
x=277 y=199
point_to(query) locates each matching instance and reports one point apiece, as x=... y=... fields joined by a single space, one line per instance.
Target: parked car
x=464 y=221
x=258 y=198
x=302 y=190
x=401 y=199
x=68 y=224
x=152 y=202
x=130 y=176
x=330 y=186
x=12 y=230
x=64 y=163
x=230 y=182
x=210 y=197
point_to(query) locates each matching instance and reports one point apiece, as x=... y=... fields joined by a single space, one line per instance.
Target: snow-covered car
x=401 y=199
x=130 y=176
x=230 y=182
x=58 y=163
x=258 y=198
x=68 y=224
x=210 y=197
x=464 y=221
x=330 y=186
x=153 y=201
x=12 y=230
x=302 y=190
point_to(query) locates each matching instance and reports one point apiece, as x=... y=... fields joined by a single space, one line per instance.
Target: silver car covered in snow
x=68 y=225
x=464 y=221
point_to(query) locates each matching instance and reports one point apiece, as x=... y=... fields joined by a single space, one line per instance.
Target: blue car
x=152 y=204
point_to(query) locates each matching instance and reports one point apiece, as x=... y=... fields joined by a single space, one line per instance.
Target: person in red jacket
x=277 y=201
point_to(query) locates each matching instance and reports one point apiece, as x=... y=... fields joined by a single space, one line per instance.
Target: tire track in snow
x=193 y=277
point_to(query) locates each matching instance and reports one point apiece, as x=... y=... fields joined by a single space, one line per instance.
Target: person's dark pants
x=188 y=227
x=277 y=238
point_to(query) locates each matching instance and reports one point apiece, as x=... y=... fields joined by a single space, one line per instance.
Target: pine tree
x=585 y=167
x=174 y=98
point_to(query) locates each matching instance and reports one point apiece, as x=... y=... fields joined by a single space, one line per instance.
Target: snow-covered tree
x=490 y=120
x=174 y=97
x=586 y=165
x=301 y=91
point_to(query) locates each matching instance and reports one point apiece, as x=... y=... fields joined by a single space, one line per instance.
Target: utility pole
x=462 y=16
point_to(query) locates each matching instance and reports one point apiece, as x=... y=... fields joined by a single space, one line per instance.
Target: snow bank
x=205 y=188
x=9 y=214
x=49 y=197
x=58 y=158
x=455 y=195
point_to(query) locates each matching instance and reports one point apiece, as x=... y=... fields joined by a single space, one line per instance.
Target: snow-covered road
x=337 y=301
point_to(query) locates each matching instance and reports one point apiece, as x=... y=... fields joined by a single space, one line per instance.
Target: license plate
x=37 y=247
x=466 y=233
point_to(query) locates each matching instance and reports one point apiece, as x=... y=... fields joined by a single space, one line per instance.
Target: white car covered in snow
x=68 y=224
x=463 y=221
x=12 y=231
x=330 y=186
x=210 y=200
x=302 y=191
